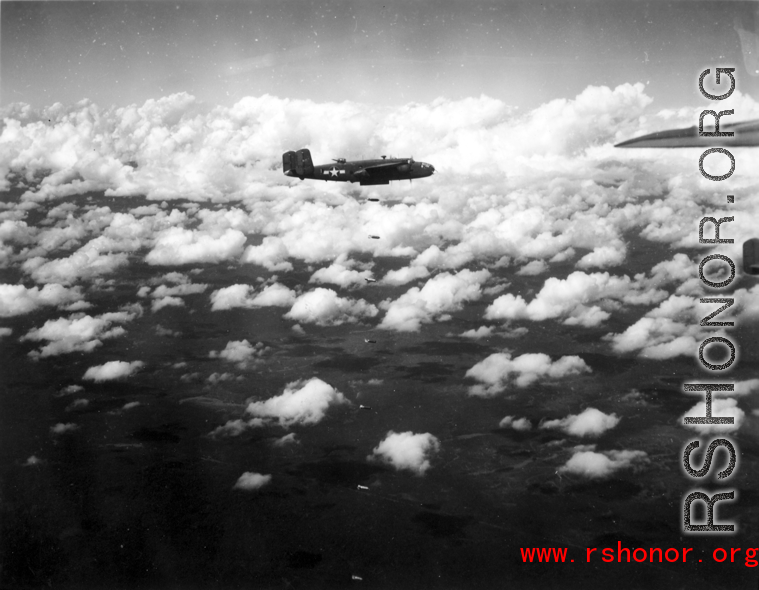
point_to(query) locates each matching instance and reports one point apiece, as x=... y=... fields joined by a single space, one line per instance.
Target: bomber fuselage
x=366 y=172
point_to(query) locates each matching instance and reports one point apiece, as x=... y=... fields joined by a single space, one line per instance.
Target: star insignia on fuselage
x=334 y=171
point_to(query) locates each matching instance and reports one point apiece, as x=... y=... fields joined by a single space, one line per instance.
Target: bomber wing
x=385 y=165
x=746 y=135
x=377 y=167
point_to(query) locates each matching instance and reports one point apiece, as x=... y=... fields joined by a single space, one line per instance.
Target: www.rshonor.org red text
x=621 y=554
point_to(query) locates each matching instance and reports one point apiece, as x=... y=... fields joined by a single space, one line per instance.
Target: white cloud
x=302 y=402
x=77 y=403
x=288 y=439
x=216 y=378
x=112 y=370
x=406 y=450
x=671 y=329
x=71 y=389
x=240 y=352
x=92 y=260
x=5 y=332
x=271 y=254
x=230 y=429
x=18 y=300
x=325 y=308
x=62 y=428
x=599 y=465
x=78 y=333
x=249 y=481
x=176 y=246
x=604 y=256
x=745 y=387
x=521 y=424
x=580 y=299
x=441 y=294
x=499 y=369
x=179 y=290
x=231 y=297
x=341 y=273
x=535 y=267
x=481 y=332
x=721 y=408
x=405 y=275
x=590 y=422
x=158 y=304
x=275 y=295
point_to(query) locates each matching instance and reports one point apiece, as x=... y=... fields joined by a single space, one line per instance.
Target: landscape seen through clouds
x=213 y=377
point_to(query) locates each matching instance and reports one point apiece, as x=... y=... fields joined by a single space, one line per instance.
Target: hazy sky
x=388 y=53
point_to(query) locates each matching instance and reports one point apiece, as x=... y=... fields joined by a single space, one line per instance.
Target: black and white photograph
x=372 y=294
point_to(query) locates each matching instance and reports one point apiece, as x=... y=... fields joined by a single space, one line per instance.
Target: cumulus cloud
x=18 y=300
x=497 y=371
x=342 y=273
x=521 y=424
x=721 y=408
x=274 y=295
x=580 y=299
x=441 y=294
x=158 y=304
x=77 y=403
x=481 y=332
x=186 y=152
x=112 y=370
x=176 y=245
x=302 y=402
x=232 y=428
x=71 y=389
x=673 y=327
x=745 y=387
x=241 y=352
x=78 y=333
x=63 y=428
x=288 y=439
x=595 y=465
x=216 y=378
x=589 y=422
x=405 y=275
x=182 y=288
x=535 y=267
x=86 y=263
x=271 y=254
x=250 y=481
x=5 y=332
x=231 y=297
x=325 y=308
x=406 y=450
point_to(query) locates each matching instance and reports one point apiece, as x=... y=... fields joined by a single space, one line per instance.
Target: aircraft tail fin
x=304 y=164
x=289 y=163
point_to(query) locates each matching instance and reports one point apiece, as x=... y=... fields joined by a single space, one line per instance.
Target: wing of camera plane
x=745 y=134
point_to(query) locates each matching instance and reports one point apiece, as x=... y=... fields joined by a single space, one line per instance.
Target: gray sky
x=387 y=53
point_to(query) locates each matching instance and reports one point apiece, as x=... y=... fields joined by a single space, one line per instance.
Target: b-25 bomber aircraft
x=366 y=172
